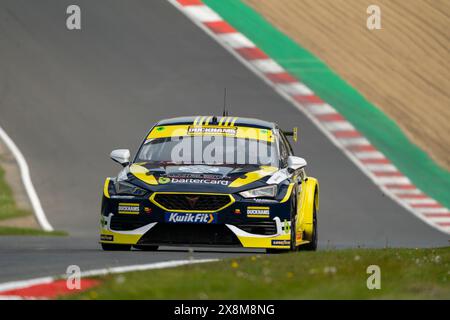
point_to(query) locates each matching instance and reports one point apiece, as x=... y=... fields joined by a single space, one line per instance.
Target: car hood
x=200 y=178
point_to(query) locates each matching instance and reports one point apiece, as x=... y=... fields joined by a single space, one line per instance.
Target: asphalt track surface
x=67 y=98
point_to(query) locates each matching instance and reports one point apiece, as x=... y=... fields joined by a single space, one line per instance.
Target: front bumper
x=242 y=223
x=156 y=233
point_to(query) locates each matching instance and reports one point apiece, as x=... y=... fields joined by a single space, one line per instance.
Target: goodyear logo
x=281 y=243
x=212 y=130
x=175 y=217
x=107 y=237
x=258 y=212
x=128 y=208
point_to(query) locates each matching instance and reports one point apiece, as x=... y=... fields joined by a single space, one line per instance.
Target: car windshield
x=210 y=150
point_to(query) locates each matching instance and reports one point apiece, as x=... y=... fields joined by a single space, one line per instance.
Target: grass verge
x=8 y=208
x=13 y=231
x=340 y=274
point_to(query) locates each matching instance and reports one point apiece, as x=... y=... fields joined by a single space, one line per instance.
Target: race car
x=211 y=181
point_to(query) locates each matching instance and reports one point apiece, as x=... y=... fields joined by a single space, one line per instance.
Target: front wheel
x=293 y=231
x=116 y=247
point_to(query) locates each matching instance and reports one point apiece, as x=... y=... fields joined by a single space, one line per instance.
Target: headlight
x=264 y=192
x=125 y=188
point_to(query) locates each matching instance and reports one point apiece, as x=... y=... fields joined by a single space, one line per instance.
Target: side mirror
x=121 y=156
x=296 y=163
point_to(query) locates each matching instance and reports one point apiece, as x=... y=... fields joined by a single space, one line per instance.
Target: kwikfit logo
x=189 y=217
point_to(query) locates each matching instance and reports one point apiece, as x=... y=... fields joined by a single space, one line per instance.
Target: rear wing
x=293 y=134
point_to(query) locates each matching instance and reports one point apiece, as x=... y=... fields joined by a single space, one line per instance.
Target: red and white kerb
x=341 y=132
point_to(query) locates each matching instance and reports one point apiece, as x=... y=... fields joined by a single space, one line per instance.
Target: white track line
x=14 y=285
x=26 y=180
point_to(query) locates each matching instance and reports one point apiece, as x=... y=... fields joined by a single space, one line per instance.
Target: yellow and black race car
x=207 y=180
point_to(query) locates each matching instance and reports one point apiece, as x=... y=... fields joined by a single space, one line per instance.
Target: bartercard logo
x=175 y=217
x=163 y=180
x=200 y=181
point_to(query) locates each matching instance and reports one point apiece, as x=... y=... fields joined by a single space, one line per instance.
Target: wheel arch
x=308 y=204
x=316 y=196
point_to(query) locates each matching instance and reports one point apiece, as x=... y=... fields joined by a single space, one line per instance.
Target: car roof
x=227 y=120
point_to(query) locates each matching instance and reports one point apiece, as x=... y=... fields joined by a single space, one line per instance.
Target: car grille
x=195 y=234
x=120 y=223
x=192 y=201
x=260 y=227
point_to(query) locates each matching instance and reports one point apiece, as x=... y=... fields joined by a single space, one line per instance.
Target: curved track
x=68 y=98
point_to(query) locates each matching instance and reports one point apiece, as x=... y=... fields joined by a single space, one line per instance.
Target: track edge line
x=26 y=180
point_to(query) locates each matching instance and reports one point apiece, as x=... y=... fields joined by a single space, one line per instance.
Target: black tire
x=312 y=246
x=116 y=247
x=146 y=247
x=293 y=230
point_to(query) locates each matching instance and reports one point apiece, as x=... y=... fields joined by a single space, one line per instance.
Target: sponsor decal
x=212 y=130
x=200 y=169
x=121 y=197
x=258 y=212
x=283 y=227
x=106 y=237
x=195 y=176
x=264 y=200
x=128 y=208
x=200 y=181
x=286 y=226
x=281 y=243
x=163 y=180
x=176 y=217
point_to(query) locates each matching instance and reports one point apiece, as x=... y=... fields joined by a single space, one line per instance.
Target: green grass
x=8 y=208
x=339 y=274
x=13 y=231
